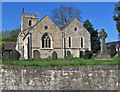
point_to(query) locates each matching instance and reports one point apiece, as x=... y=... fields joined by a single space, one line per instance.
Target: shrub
x=49 y=57
x=14 y=55
x=88 y=54
x=69 y=54
x=98 y=52
x=112 y=50
x=6 y=56
x=54 y=55
x=81 y=54
x=30 y=59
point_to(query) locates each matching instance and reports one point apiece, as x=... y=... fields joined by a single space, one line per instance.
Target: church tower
x=28 y=20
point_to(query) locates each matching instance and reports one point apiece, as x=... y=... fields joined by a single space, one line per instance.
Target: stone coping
x=96 y=67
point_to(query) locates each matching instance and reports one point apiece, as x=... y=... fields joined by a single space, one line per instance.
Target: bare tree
x=63 y=14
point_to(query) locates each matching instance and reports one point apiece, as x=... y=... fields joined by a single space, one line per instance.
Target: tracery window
x=46 y=41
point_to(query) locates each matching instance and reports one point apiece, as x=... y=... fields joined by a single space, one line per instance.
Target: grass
x=61 y=62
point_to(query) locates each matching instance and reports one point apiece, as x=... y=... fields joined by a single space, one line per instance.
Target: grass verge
x=61 y=62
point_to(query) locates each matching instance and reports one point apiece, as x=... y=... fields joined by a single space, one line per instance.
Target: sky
x=99 y=14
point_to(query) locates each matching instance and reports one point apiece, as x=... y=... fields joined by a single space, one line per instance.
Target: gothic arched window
x=81 y=42
x=46 y=41
x=69 y=42
x=30 y=22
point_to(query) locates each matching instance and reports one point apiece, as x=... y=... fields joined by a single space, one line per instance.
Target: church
x=42 y=38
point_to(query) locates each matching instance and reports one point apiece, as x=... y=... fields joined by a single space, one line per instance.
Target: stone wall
x=59 y=78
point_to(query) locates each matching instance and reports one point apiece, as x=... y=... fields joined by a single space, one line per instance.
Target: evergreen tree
x=116 y=16
x=95 y=41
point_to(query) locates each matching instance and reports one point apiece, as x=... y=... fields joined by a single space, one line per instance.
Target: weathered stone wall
x=59 y=78
x=53 y=31
x=76 y=36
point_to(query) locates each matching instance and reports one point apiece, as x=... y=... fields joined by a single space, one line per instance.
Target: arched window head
x=46 y=41
x=69 y=42
x=30 y=22
x=81 y=42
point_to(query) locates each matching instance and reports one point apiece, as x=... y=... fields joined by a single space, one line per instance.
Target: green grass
x=61 y=62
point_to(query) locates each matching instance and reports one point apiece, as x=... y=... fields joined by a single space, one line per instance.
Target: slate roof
x=10 y=45
x=113 y=43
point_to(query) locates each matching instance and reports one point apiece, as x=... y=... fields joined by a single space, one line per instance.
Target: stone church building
x=42 y=38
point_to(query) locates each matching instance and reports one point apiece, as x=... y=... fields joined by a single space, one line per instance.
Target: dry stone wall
x=59 y=78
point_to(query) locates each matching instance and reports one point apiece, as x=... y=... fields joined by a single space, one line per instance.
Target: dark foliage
x=54 y=55
x=14 y=55
x=81 y=54
x=95 y=41
x=88 y=54
x=112 y=50
x=116 y=16
x=6 y=56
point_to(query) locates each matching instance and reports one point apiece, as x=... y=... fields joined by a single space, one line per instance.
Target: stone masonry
x=44 y=36
x=59 y=78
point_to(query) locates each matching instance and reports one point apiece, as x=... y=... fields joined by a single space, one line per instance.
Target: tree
x=95 y=41
x=63 y=14
x=14 y=34
x=10 y=36
x=1 y=44
x=116 y=16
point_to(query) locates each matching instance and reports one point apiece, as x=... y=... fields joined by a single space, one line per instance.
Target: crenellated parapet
x=30 y=15
x=28 y=20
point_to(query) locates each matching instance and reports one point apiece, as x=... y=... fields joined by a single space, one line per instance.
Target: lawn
x=61 y=62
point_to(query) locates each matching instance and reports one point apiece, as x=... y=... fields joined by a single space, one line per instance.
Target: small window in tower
x=46 y=27
x=30 y=23
x=75 y=28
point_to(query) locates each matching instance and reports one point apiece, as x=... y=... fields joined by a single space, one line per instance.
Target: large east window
x=46 y=41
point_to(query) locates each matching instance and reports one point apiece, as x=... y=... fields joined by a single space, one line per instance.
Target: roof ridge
x=34 y=25
x=65 y=25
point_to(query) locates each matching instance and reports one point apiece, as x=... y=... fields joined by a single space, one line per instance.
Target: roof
x=65 y=25
x=10 y=45
x=34 y=25
x=113 y=43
